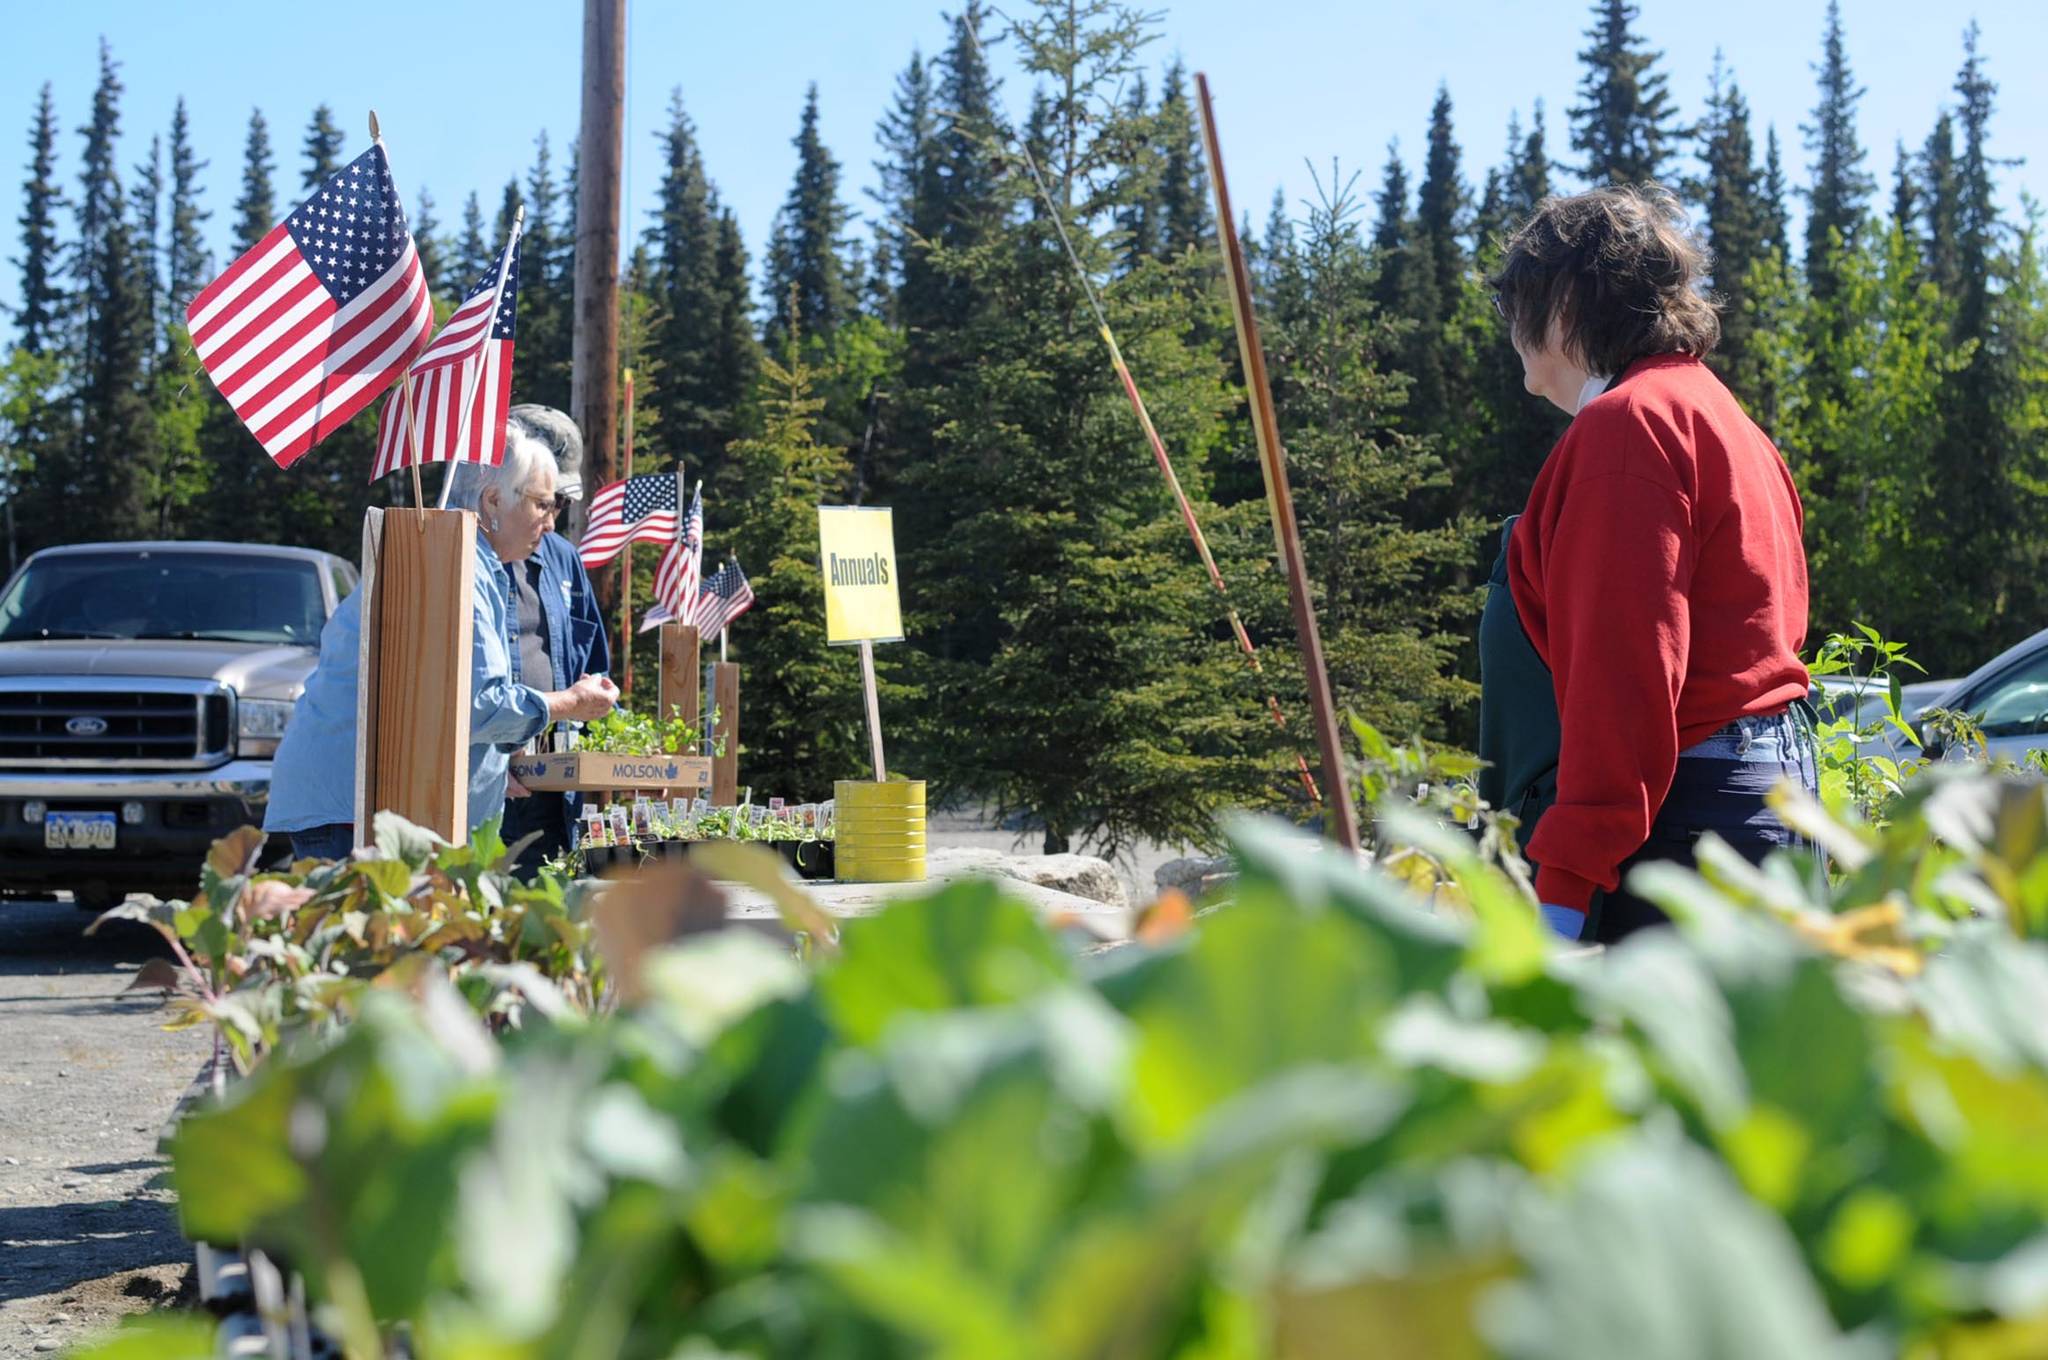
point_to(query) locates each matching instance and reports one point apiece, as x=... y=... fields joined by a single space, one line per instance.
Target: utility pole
x=594 y=373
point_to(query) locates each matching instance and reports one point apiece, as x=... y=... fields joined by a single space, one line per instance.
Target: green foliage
x=1327 y=1111
x=1625 y=122
x=624 y=732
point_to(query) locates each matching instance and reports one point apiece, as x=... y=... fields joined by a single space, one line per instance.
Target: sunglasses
x=556 y=505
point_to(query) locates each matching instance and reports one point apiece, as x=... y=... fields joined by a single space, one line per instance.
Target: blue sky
x=464 y=86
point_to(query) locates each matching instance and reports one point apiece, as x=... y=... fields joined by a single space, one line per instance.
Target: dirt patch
x=88 y=1226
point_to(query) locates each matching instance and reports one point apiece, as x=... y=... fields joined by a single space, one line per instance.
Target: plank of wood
x=425 y=607
x=725 y=769
x=679 y=674
x=367 y=657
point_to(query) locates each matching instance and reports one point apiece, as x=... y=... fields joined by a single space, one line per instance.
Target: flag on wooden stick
x=682 y=564
x=461 y=384
x=726 y=596
x=637 y=510
x=317 y=318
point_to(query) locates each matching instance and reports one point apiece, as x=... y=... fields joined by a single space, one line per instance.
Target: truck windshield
x=145 y=593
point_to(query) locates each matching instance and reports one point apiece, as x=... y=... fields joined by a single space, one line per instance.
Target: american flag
x=461 y=384
x=638 y=510
x=726 y=596
x=675 y=580
x=320 y=315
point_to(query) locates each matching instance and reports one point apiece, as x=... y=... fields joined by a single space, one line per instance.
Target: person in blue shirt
x=312 y=789
x=558 y=633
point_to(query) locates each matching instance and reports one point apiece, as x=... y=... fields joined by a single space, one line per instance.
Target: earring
x=494 y=525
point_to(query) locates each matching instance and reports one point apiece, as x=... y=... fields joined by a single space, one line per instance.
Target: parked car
x=2008 y=696
x=143 y=690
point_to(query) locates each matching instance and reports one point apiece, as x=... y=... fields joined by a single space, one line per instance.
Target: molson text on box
x=603 y=770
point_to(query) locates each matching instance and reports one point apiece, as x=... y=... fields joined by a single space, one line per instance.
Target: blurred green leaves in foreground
x=1334 y=1117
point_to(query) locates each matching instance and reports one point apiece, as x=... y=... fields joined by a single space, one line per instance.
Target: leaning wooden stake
x=1342 y=822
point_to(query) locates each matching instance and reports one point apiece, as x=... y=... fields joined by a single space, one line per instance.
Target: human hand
x=590 y=698
x=515 y=789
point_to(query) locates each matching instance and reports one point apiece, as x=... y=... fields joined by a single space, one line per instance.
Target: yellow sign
x=857 y=554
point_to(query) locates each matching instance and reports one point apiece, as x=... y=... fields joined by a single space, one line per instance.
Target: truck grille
x=132 y=724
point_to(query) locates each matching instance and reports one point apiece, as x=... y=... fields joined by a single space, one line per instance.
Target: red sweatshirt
x=1659 y=574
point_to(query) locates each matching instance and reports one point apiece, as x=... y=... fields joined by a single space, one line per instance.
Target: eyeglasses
x=1500 y=307
x=554 y=506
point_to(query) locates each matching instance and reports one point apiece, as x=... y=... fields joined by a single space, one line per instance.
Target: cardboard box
x=597 y=771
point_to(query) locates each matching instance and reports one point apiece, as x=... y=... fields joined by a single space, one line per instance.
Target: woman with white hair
x=312 y=790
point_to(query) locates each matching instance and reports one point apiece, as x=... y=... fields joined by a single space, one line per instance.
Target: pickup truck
x=143 y=690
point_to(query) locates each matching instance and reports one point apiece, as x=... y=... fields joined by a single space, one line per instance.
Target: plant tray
x=596 y=771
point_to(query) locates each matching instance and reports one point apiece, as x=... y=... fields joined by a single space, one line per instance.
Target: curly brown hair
x=1619 y=269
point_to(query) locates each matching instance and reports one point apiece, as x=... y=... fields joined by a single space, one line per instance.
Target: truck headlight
x=259 y=723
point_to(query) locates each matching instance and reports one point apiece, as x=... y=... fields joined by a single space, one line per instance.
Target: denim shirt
x=313 y=777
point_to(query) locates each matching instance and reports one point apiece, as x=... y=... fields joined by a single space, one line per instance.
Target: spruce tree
x=1441 y=201
x=1905 y=191
x=1835 y=203
x=322 y=148
x=1975 y=456
x=472 y=252
x=188 y=263
x=426 y=238
x=1528 y=180
x=38 y=318
x=1625 y=123
x=804 y=723
x=545 y=285
x=1942 y=192
x=1184 y=216
x=1404 y=290
x=1137 y=215
x=907 y=136
x=804 y=259
x=1390 y=605
x=1078 y=672
x=736 y=356
x=148 y=202
x=701 y=390
x=1737 y=216
x=256 y=210
x=115 y=429
x=1777 y=222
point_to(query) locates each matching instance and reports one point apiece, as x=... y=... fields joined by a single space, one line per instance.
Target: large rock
x=1194 y=874
x=1079 y=875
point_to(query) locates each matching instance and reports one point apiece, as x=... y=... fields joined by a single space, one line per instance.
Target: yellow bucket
x=880 y=831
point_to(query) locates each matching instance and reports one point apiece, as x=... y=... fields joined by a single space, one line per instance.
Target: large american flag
x=726 y=596
x=675 y=580
x=320 y=315
x=638 y=510
x=461 y=384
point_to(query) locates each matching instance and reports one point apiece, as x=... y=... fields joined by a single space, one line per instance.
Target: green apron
x=1518 y=727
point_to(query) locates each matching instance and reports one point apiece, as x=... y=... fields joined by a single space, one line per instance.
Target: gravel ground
x=87 y=1079
x=970 y=829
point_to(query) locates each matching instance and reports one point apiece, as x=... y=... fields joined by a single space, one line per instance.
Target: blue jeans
x=1719 y=786
x=332 y=841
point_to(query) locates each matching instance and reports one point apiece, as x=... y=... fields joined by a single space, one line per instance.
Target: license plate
x=78 y=831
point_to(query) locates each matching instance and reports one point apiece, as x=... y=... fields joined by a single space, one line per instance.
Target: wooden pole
x=1341 y=821
x=725 y=769
x=679 y=673
x=626 y=563
x=867 y=679
x=594 y=371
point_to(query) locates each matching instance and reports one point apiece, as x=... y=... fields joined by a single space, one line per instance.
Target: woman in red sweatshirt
x=1640 y=648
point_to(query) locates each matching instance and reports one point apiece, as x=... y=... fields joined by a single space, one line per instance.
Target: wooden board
x=601 y=771
x=425 y=618
x=725 y=769
x=367 y=656
x=679 y=675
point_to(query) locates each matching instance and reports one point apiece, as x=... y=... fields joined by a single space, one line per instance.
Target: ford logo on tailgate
x=87 y=726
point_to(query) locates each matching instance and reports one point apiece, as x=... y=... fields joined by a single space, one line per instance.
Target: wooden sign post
x=857 y=557
x=412 y=678
x=725 y=766
x=680 y=677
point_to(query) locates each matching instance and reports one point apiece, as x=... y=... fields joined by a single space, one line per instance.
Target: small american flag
x=675 y=580
x=461 y=384
x=726 y=596
x=317 y=318
x=638 y=510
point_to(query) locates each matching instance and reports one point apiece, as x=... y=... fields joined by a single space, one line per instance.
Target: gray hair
x=554 y=429
x=524 y=456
